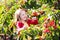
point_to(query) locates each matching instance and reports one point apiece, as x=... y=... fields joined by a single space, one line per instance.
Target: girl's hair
x=17 y=14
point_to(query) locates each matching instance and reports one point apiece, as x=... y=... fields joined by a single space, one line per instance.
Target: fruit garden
x=46 y=11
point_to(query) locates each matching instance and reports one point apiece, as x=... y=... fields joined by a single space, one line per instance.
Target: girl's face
x=23 y=15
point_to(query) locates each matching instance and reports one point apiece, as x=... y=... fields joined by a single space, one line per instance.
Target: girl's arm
x=33 y=21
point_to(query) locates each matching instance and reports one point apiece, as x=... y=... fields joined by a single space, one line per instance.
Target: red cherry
x=45 y=25
x=55 y=26
x=48 y=19
x=52 y=23
x=20 y=24
x=46 y=30
x=34 y=14
x=41 y=12
x=41 y=38
x=48 y=24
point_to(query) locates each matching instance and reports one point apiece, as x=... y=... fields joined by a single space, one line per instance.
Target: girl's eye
x=22 y=14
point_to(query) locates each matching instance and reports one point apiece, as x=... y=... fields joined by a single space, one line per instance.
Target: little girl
x=22 y=21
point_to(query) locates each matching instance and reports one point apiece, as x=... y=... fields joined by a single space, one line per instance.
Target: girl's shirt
x=21 y=26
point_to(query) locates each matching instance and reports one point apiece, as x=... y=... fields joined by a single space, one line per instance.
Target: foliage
x=35 y=32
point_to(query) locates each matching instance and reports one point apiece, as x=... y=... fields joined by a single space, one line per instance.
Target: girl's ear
x=18 y=18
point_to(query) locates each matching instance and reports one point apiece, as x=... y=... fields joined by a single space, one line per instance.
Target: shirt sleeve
x=34 y=22
x=31 y=21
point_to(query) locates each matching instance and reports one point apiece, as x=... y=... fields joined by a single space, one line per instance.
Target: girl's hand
x=34 y=18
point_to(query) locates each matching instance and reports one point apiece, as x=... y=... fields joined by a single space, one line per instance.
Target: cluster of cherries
x=50 y=23
x=37 y=13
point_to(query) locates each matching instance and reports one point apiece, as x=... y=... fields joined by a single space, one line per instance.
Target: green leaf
x=59 y=27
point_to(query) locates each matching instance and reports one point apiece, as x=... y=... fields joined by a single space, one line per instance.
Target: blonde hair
x=17 y=14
